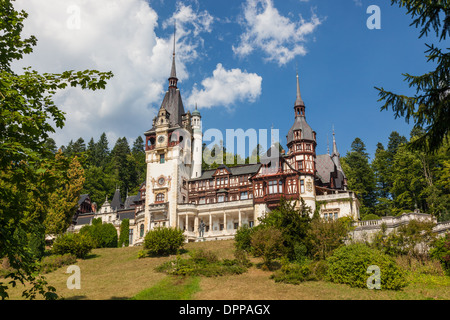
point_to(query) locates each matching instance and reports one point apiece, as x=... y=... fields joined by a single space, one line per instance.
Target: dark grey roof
x=174 y=105
x=245 y=169
x=126 y=214
x=235 y=171
x=81 y=221
x=300 y=124
x=324 y=167
x=116 y=202
x=129 y=201
x=83 y=197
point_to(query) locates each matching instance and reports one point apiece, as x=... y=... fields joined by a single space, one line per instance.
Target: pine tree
x=102 y=153
x=360 y=176
x=429 y=108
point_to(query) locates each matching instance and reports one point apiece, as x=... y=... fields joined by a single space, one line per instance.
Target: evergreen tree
x=50 y=145
x=138 y=153
x=430 y=106
x=79 y=146
x=90 y=151
x=124 y=166
x=124 y=239
x=102 y=152
x=360 y=176
x=138 y=146
x=383 y=176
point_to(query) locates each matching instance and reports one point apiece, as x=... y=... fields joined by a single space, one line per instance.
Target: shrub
x=103 y=235
x=243 y=238
x=76 y=244
x=293 y=273
x=53 y=262
x=293 y=223
x=326 y=236
x=202 y=263
x=164 y=241
x=370 y=216
x=441 y=251
x=409 y=240
x=267 y=243
x=349 y=264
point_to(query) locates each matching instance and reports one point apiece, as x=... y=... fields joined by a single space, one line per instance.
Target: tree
x=50 y=145
x=102 y=153
x=381 y=170
x=326 y=236
x=124 y=239
x=27 y=116
x=429 y=108
x=138 y=153
x=268 y=244
x=64 y=200
x=293 y=222
x=360 y=176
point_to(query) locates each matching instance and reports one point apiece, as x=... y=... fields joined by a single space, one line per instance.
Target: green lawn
x=117 y=273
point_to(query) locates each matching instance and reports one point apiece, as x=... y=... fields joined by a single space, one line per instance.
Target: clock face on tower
x=161 y=139
x=161 y=181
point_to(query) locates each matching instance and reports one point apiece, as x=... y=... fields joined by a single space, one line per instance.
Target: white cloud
x=277 y=36
x=225 y=88
x=109 y=35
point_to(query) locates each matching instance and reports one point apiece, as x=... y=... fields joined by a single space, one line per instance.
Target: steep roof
x=300 y=120
x=116 y=202
x=324 y=167
x=300 y=124
x=129 y=201
x=82 y=198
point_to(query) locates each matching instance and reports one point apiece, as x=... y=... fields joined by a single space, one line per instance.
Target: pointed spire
x=299 y=101
x=335 y=149
x=173 y=73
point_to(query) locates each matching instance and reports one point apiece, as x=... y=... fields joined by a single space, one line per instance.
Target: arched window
x=160 y=197
x=141 y=231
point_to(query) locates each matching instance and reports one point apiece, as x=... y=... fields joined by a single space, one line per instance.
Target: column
x=196 y=226
x=240 y=218
x=210 y=224
x=225 y=222
x=187 y=223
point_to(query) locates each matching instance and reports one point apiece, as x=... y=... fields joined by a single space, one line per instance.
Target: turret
x=197 y=150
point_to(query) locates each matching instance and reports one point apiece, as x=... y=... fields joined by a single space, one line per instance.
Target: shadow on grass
x=91 y=256
x=273 y=266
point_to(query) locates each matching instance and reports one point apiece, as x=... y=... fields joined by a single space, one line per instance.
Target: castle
x=213 y=204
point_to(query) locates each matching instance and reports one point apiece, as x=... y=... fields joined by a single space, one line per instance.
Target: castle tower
x=197 y=149
x=167 y=147
x=301 y=142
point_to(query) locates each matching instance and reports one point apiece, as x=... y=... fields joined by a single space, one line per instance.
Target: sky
x=237 y=60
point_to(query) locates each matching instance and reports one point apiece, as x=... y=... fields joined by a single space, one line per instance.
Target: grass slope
x=117 y=273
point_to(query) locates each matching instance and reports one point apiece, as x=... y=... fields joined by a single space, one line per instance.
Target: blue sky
x=225 y=44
